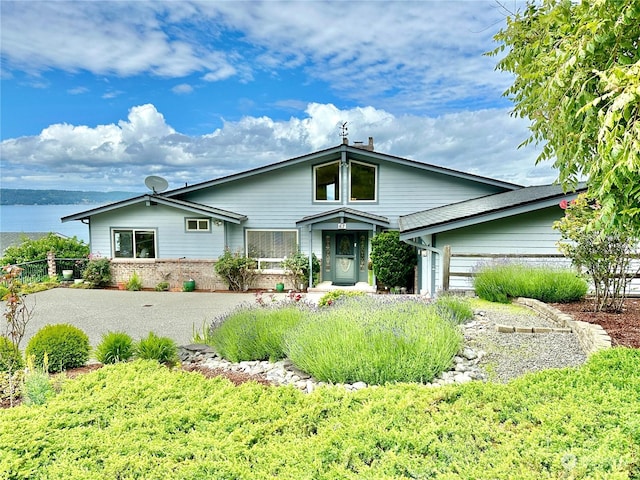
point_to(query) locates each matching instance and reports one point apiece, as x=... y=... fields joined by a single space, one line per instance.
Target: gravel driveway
x=168 y=314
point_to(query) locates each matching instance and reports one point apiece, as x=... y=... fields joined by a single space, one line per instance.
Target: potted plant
x=189 y=285
x=67 y=274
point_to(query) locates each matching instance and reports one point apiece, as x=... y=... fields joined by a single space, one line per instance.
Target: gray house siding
x=172 y=239
x=525 y=234
x=281 y=197
x=278 y=199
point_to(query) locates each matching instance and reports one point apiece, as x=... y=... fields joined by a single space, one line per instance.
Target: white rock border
x=592 y=337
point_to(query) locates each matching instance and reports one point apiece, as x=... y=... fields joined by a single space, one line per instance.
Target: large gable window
x=131 y=243
x=362 y=186
x=327 y=182
x=271 y=247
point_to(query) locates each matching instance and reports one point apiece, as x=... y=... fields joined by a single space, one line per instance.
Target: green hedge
x=143 y=421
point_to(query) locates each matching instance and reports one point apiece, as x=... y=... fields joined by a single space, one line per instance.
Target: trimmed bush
x=66 y=346
x=10 y=357
x=374 y=340
x=501 y=283
x=161 y=349
x=255 y=333
x=335 y=295
x=115 y=347
x=393 y=261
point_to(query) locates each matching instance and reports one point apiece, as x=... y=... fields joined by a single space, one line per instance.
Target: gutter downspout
x=310 y=230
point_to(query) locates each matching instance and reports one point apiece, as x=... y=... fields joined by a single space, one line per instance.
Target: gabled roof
x=191 y=207
x=478 y=210
x=333 y=153
x=348 y=213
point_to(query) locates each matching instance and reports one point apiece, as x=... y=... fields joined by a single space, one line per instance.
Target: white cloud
x=120 y=155
x=401 y=56
x=121 y=38
x=182 y=89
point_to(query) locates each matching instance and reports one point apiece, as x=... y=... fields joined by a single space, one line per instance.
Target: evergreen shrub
x=115 y=347
x=66 y=346
x=393 y=260
x=10 y=357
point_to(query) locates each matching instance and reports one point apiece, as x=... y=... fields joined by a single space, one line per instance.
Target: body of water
x=44 y=218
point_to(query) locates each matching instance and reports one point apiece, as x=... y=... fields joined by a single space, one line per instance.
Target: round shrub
x=162 y=349
x=115 y=347
x=66 y=346
x=10 y=357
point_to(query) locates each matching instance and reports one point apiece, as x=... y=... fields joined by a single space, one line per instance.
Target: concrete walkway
x=167 y=314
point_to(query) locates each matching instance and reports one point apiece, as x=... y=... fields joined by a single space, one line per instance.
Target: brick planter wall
x=155 y=270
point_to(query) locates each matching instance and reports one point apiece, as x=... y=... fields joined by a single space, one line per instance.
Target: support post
x=446 y=267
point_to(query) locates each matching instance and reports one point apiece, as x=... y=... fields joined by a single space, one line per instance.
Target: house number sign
x=342 y=226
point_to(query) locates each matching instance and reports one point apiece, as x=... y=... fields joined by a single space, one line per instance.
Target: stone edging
x=592 y=337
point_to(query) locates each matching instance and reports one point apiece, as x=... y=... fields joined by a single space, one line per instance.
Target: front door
x=345 y=267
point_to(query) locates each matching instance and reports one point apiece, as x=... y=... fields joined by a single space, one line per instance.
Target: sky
x=98 y=95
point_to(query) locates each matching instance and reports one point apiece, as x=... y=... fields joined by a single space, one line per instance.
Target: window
x=134 y=243
x=363 y=182
x=271 y=247
x=327 y=182
x=198 y=224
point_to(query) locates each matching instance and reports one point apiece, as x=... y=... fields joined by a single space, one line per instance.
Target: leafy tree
x=606 y=258
x=392 y=260
x=577 y=78
x=30 y=250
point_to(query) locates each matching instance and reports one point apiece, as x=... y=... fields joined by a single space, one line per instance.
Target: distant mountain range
x=19 y=196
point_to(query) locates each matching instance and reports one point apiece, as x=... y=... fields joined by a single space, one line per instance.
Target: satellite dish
x=156 y=184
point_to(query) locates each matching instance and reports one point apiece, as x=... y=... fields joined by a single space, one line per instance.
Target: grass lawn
x=141 y=420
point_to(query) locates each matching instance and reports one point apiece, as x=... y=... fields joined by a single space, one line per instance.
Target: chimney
x=362 y=146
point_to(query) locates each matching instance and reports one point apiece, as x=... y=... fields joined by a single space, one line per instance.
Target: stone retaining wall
x=592 y=337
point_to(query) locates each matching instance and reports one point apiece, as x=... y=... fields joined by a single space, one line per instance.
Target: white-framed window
x=271 y=247
x=326 y=179
x=198 y=224
x=363 y=180
x=133 y=243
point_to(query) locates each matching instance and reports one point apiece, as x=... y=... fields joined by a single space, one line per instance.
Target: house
x=332 y=203
x=15 y=239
